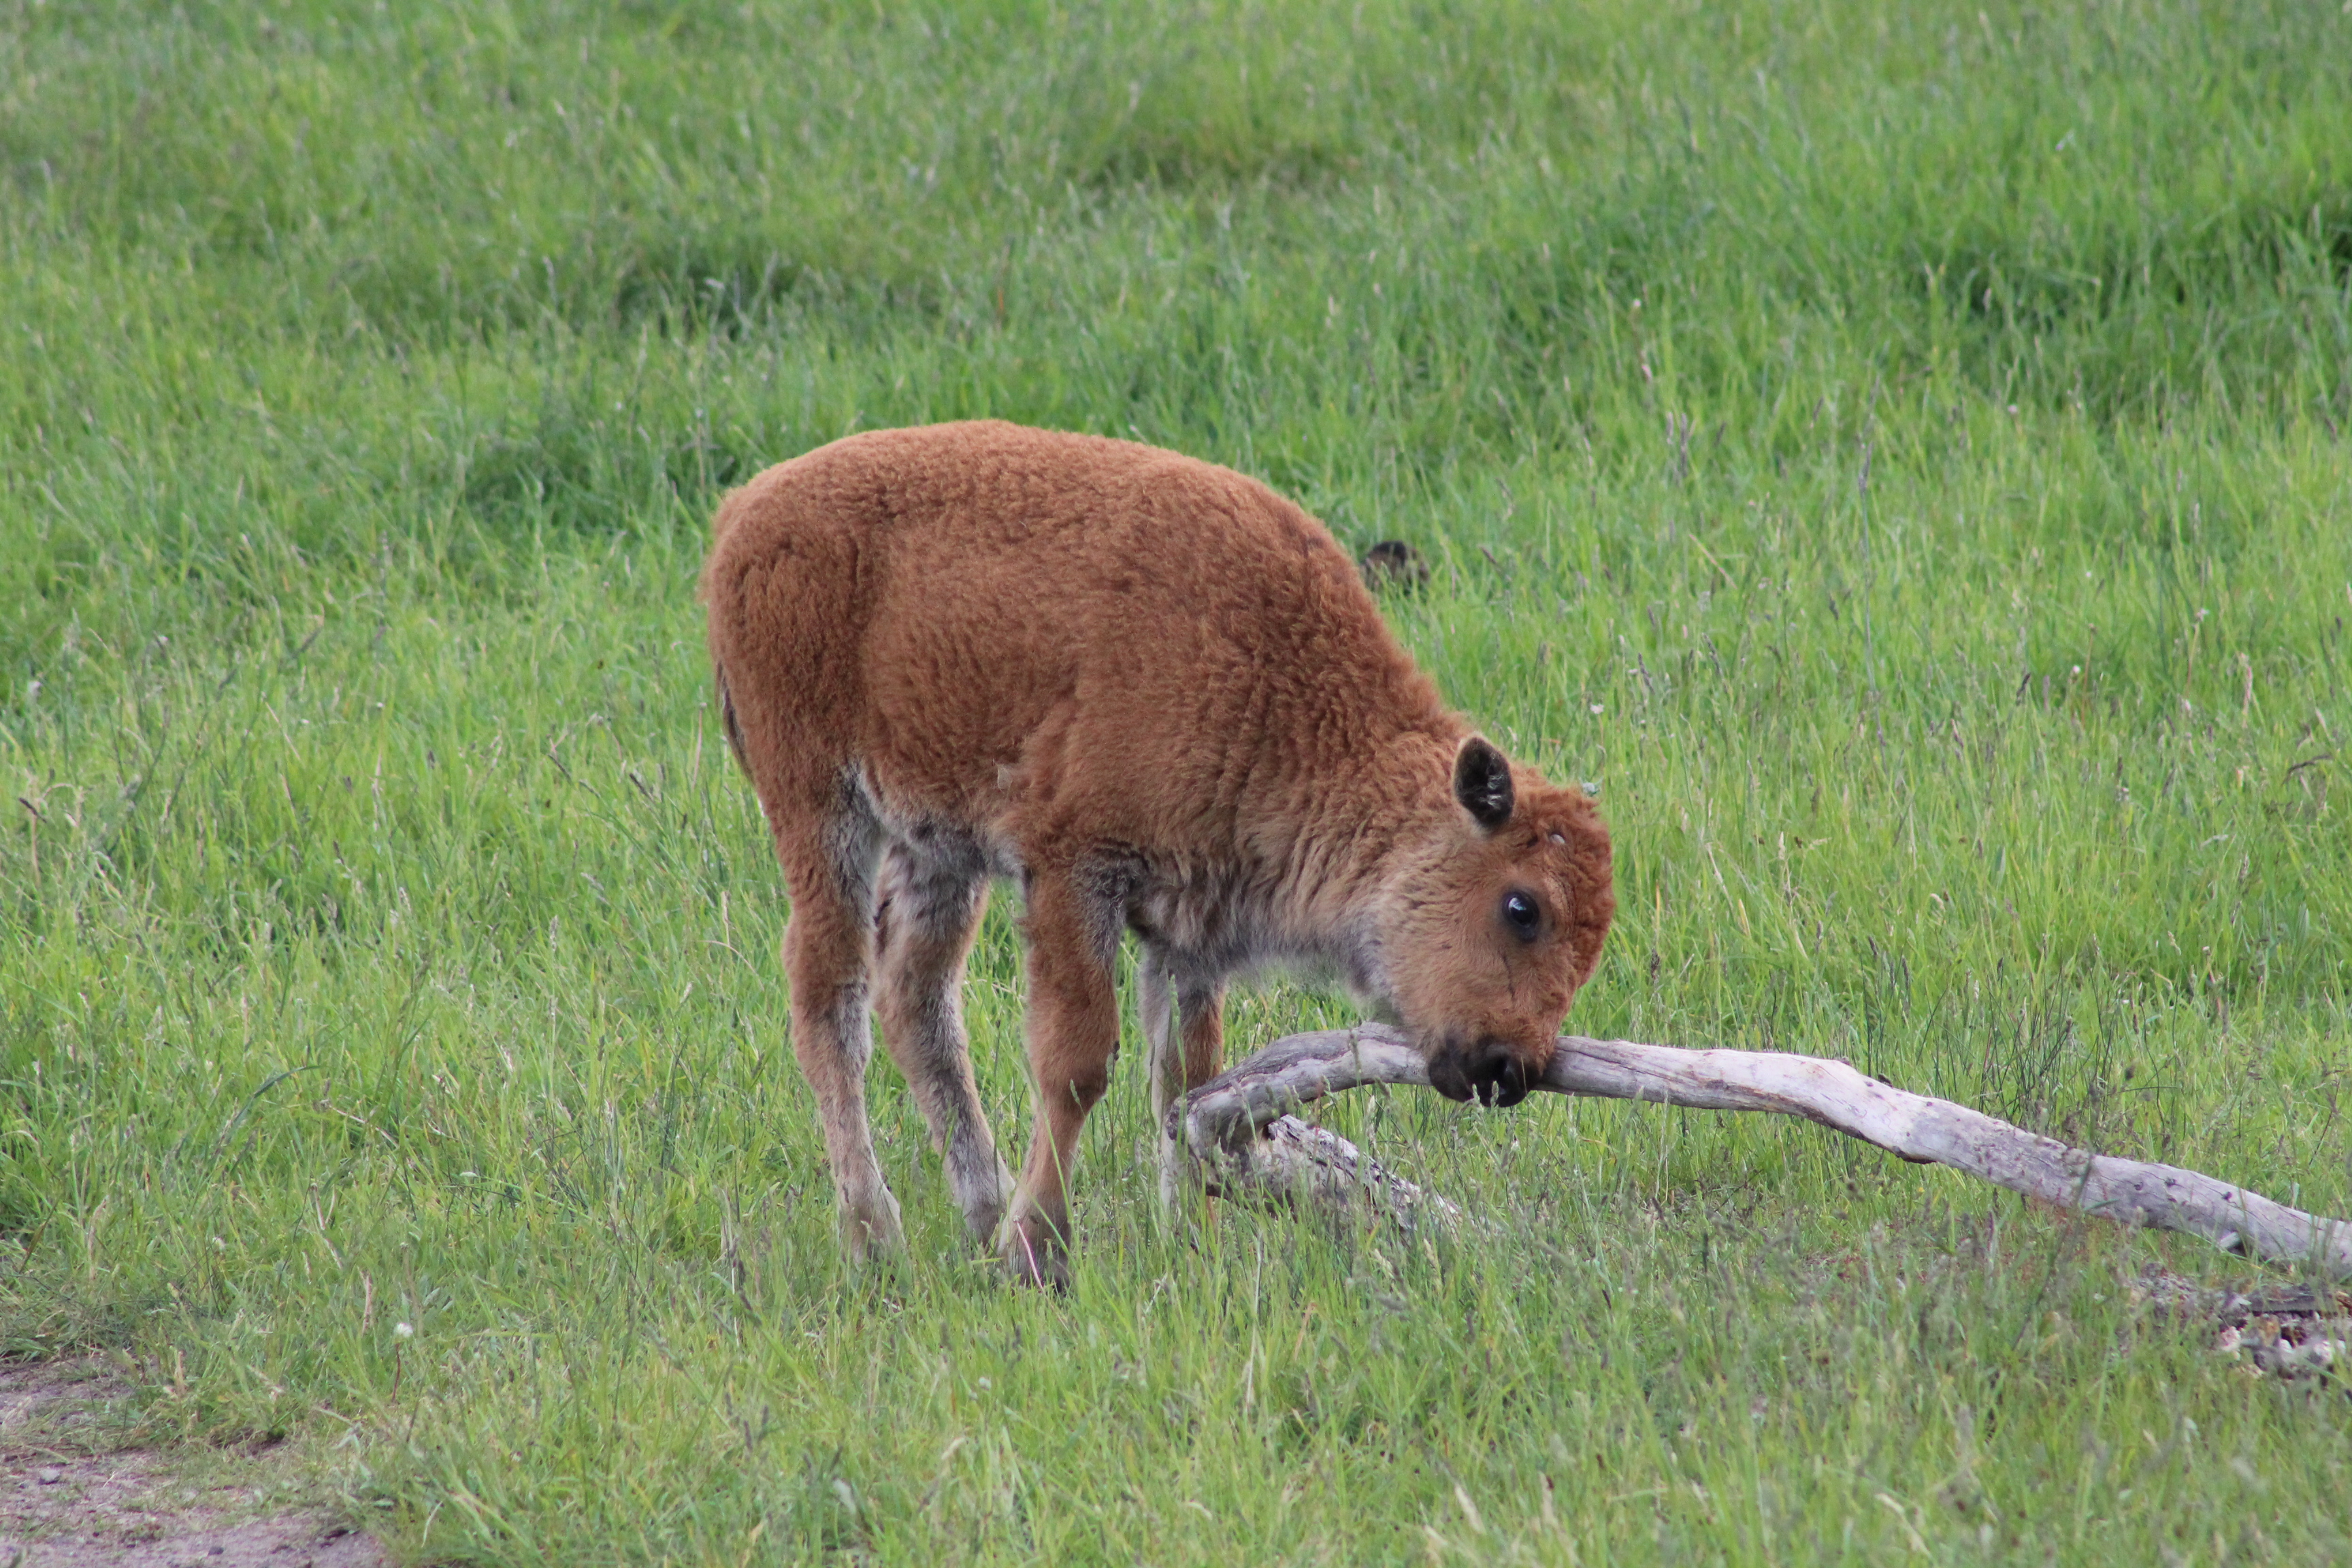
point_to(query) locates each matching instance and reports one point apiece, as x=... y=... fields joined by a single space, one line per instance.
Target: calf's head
x=1490 y=919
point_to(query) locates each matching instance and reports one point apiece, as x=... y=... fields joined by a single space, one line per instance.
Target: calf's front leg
x=1073 y=1027
x=1184 y=1030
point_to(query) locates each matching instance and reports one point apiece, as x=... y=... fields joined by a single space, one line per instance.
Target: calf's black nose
x=1486 y=1072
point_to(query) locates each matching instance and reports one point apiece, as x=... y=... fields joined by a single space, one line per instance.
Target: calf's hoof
x=870 y=1231
x=984 y=1204
x=1183 y=1179
x=1034 y=1253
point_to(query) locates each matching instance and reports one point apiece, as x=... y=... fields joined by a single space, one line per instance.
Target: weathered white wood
x=1312 y=1166
x=1235 y=1125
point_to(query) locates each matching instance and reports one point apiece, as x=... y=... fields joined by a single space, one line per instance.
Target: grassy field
x=1895 y=455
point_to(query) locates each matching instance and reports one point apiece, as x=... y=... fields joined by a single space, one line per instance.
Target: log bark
x=1240 y=1128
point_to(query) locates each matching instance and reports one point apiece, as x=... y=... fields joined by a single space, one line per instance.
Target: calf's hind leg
x=829 y=863
x=931 y=905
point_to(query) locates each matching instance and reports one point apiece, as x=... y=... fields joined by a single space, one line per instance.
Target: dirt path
x=69 y=1499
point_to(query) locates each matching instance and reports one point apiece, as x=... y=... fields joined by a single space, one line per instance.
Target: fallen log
x=1239 y=1131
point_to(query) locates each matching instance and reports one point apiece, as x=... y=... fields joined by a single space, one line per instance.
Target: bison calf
x=1159 y=697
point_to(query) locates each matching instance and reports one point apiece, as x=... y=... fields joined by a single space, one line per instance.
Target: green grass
x=1897 y=457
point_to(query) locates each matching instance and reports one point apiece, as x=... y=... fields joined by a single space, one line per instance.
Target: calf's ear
x=1482 y=783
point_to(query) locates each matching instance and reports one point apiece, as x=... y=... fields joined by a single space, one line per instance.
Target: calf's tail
x=728 y=721
x=720 y=522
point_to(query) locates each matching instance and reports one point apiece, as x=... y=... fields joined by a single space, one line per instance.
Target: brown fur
x=1159 y=696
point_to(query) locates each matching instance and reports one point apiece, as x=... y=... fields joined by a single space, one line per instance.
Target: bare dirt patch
x=72 y=1495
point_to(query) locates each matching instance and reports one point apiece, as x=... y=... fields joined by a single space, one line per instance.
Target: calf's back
x=1016 y=629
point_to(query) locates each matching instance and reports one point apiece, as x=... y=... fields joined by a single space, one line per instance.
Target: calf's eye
x=1520 y=913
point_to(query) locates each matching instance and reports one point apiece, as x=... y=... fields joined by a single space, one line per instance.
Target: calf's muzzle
x=1488 y=1071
